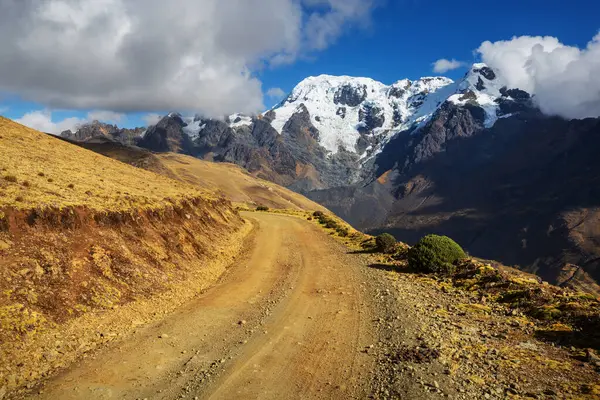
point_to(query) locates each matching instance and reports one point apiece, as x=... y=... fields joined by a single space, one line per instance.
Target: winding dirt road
x=290 y=320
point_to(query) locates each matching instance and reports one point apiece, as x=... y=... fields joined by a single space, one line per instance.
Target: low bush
x=318 y=214
x=342 y=231
x=435 y=254
x=10 y=178
x=331 y=224
x=262 y=208
x=385 y=243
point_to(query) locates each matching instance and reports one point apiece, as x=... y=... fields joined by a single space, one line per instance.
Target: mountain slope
x=41 y=171
x=522 y=192
x=87 y=242
x=227 y=180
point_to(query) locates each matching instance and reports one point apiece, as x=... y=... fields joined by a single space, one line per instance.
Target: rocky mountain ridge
x=100 y=131
x=327 y=132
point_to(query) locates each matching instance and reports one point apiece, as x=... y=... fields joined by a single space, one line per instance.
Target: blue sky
x=402 y=40
x=406 y=37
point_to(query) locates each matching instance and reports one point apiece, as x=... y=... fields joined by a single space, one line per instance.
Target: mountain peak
x=349 y=110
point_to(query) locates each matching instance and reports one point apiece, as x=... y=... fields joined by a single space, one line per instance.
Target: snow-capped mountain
x=361 y=115
x=346 y=110
x=330 y=130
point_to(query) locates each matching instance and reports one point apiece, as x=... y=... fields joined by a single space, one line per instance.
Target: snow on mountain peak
x=481 y=85
x=343 y=108
x=360 y=115
x=237 y=119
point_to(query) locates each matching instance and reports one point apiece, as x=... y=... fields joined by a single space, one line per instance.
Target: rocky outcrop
x=96 y=130
x=349 y=95
x=167 y=135
x=370 y=117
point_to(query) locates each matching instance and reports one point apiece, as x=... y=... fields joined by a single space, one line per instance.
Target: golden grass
x=38 y=170
x=234 y=182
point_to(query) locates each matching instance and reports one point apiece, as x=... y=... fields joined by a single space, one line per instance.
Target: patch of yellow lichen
x=18 y=319
x=475 y=308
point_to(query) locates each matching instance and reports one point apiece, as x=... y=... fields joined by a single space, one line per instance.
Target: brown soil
x=57 y=273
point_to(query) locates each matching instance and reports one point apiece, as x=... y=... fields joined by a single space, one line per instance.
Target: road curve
x=290 y=320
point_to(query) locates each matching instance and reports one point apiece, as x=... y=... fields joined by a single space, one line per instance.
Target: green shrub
x=435 y=253
x=323 y=219
x=318 y=214
x=331 y=224
x=385 y=243
x=342 y=231
x=262 y=208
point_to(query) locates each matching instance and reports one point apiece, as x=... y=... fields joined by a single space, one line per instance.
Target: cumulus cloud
x=275 y=93
x=329 y=17
x=152 y=55
x=42 y=120
x=564 y=79
x=443 y=65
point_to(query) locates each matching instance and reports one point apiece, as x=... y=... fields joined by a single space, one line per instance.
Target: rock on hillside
x=96 y=130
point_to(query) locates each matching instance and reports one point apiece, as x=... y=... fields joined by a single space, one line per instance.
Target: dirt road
x=289 y=320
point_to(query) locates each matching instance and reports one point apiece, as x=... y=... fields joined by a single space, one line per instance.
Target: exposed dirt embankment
x=73 y=278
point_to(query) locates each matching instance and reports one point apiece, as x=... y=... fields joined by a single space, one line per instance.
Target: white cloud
x=151 y=119
x=42 y=120
x=152 y=55
x=443 y=65
x=275 y=93
x=564 y=79
x=329 y=17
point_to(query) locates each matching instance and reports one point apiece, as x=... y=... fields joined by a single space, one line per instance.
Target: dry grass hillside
x=235 y=183
x=37 y=170
x=88 y=242
x=230 y=180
